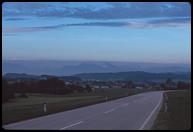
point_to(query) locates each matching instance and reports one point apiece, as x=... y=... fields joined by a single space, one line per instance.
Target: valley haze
x=67 y=68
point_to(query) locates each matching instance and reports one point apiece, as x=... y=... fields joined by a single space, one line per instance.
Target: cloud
x=14 y=19
x=115 y=10
x=145 y=24
x=31 y=29
x=171 y=20
x=105 y=24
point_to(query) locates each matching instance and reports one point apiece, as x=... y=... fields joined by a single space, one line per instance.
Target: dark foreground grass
x=178 y=113
x=31 y=107
x=14 y=113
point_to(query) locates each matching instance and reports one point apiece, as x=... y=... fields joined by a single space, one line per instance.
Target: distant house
x=96 y=86
x=101 y=86
x=93 y=89
x=138 y=87
x=104 y=86
x=68 y=83
x=115 y=86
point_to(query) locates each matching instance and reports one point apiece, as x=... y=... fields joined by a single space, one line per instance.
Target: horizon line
x=188 y=63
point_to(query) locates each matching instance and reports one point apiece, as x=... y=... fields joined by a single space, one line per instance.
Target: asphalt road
x=135 y=112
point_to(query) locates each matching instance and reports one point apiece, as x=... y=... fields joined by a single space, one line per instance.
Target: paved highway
x=135 y=112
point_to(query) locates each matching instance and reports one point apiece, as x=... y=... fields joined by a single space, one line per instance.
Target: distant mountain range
x=35 y=77
x=66 y=68
x=124 y=76
x=20 y=76
x=134 y=76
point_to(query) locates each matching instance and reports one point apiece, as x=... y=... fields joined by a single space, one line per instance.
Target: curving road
x=135 y=112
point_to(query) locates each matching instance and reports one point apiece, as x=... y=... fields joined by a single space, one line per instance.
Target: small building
x=138 y=87
x=96 y=86
x=105 y=86
x=115 y=86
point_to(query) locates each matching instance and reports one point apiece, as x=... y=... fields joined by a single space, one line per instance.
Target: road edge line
x=150 y=115
x=71 y=125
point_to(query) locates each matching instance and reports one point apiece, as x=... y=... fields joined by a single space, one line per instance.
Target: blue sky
x=158 y=32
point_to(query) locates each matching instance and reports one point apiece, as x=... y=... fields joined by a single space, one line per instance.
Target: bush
x=23 y=95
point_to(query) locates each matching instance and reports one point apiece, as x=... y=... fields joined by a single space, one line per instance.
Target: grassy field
x=177 y=114
x=20 y=109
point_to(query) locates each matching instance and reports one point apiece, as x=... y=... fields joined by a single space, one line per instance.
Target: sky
x=156 y=32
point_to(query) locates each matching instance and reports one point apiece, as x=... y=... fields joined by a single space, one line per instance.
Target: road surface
x=135 y=112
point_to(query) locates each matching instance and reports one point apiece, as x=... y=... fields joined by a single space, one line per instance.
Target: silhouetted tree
x=7 y=92
x=183 y=85
x=170 y=84
x=163 y=86
x=88 y=88
x=51 y=85
x=129 y=84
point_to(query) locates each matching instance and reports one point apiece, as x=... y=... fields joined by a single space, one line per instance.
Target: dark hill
x=134 y=76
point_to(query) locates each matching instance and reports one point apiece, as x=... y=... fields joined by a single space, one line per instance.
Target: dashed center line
x=71 y=125
x=125 y=104
x=106 y=112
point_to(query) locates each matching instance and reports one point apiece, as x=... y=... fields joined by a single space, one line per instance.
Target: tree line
x=49 y=86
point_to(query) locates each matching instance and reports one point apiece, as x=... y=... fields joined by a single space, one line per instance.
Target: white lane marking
x=71 y=125
x=124 y=104
x=150 y=115
x=106 y=112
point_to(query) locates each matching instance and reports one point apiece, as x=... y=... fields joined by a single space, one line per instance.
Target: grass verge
x=175 y=113
x=26 y=108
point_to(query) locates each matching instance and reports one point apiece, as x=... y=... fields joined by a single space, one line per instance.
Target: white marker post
x=45 y=107
x=165 y=104
x=166 y=107
x=106 y=98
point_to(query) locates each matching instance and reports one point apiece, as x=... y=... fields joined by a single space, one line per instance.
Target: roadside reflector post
x=106 y=98
x=165 y=104
x=166 y=107
x=45 y=107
